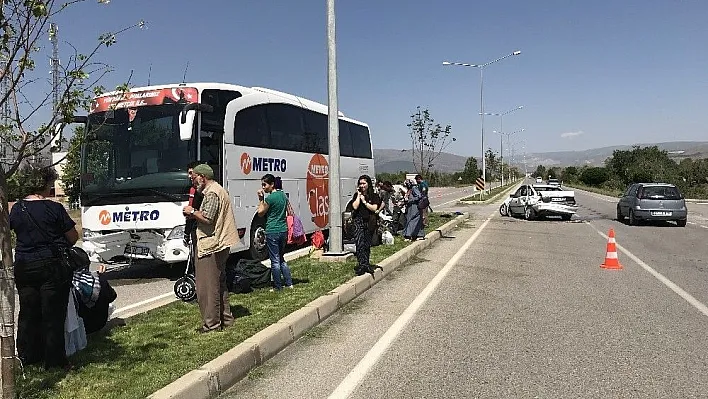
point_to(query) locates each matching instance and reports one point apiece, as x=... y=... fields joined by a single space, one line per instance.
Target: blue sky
x=591 y=73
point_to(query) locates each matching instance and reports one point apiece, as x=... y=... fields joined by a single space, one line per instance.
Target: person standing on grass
x=414 y=220
x=43 y=285
x=216 y=233
x=423 y=187
x=366 y=204
x=195 y=201
x=274 y=209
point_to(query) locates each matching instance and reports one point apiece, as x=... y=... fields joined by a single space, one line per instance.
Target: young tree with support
x=26 y=25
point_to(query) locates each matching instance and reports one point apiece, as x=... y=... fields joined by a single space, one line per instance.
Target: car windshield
x=548 y=189
x=659 y=192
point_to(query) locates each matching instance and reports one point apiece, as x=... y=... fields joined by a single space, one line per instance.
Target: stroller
x=186 y=286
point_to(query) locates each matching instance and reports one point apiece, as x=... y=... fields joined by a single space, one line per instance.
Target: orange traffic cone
x=611 y=260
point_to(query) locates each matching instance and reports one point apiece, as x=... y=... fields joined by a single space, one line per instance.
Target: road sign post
x=479 y=183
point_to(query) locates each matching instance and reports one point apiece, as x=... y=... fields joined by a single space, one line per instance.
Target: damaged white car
x=540 y=200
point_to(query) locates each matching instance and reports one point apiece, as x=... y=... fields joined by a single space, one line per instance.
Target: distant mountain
x=597 y=156
x=392 y=161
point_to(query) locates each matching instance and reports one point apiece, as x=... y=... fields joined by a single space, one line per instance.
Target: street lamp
x=501 y=149
x=481 y=99
x=501 y=132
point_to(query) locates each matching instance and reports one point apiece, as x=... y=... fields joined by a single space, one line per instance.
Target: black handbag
x=71 y=258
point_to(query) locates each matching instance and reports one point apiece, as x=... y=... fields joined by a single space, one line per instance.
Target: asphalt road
x=143 y=285
x=521 y=310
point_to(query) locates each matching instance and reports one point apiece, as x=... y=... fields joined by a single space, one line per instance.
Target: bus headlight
x=176 y=233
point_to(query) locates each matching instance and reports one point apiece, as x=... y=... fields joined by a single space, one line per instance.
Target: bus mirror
x=186 y=125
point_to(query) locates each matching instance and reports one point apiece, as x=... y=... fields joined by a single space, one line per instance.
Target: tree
x=26 y=27
x=570 y=174
x=471 y=171
x=540 y=172
x=428 y=140
x=491 y=163
x=594 y=176
x=72 y=172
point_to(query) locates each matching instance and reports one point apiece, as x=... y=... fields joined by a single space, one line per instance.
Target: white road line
x=354 y=378
x=145 y=302
x=675 y=288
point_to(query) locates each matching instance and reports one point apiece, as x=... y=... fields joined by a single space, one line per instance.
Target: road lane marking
x=141 y=303
x=675 y=288
x=354 y=378
x=697 y=224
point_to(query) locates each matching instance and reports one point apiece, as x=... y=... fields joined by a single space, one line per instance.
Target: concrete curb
x=215 y=377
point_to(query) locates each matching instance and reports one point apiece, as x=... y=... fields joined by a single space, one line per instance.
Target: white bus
x=134 y=160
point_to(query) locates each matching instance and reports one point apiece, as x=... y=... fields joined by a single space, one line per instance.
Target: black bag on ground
x=254 y=272
x=236 y=283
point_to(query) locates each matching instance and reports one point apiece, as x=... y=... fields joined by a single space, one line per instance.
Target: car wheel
x=632 y=219
x=681 y=223
x=258 y=248
x=503 y=210
x=529 y=213
x=620 y=218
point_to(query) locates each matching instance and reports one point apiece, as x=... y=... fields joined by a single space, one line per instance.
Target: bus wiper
x=163 y=194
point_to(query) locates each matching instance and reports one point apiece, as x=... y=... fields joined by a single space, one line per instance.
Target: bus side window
x=316 y=133
x=250 y=127
x=287 y=127
x=361 y=141
x=346 y=147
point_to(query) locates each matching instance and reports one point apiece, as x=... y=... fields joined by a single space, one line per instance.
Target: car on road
x=554 y=182
x=539 y=180
x=540 y=200
x=652 y=202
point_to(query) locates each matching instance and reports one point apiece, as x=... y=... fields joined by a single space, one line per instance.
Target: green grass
x=597 y=190
x=157 y=347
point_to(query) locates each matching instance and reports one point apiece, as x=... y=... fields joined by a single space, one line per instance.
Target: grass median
x=157 y=347
x=490 y=194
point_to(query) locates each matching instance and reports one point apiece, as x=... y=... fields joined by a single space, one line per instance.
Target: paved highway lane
x=525 y=311
x=678 y=253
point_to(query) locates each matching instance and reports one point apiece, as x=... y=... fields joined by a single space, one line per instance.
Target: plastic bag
x=387 y=238
x=296 y=232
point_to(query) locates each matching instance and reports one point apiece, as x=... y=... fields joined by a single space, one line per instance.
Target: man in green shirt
x=274 y=209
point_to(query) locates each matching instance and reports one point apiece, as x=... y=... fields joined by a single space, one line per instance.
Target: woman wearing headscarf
x=365 y=204
x=414 y=219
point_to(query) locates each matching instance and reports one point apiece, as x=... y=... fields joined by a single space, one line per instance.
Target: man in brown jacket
x=216 y=233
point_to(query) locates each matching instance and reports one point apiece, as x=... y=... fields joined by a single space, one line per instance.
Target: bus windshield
x=135 y=155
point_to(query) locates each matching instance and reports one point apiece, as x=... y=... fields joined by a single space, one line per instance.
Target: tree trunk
x=7 y=299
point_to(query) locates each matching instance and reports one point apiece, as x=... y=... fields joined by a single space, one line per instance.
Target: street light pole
x=335 y=196
x=481 y=101
x=501 y=132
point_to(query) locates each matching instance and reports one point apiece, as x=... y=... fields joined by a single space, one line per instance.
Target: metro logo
x=318 y=189
x=258 y=164
x=245 y=163
x=106 y=217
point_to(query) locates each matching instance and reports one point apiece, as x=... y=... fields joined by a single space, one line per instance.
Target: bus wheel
x=258 y=249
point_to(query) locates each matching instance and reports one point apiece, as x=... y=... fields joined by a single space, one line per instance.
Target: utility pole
x=335 y=192
x=54 y=63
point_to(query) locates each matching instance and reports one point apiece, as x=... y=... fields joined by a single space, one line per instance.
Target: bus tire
x=258 y=248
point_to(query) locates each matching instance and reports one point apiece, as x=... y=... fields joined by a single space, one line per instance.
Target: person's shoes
x=290 y=287
x=204 y=330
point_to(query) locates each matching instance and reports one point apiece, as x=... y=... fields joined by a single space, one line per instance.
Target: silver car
x=652 y=202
